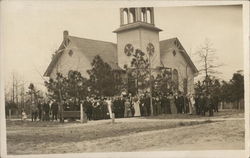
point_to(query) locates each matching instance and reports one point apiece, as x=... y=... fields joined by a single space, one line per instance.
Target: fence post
x=113 y=118
x=81 y=113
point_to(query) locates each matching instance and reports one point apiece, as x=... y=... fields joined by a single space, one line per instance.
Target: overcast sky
x=33 y=31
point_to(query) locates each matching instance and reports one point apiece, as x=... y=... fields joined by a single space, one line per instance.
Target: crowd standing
x=126 y=105
x=135 y=106
x=42 y=111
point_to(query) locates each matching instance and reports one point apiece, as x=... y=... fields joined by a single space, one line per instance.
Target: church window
x=128 y=49
x=150 y=49
x=70 y=53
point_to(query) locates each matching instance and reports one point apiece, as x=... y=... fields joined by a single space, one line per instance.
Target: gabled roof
x=175 y=43
x=108 y=51
x=52 y=64
x=90 y=48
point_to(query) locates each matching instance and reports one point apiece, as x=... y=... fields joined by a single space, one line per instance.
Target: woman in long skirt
x=191 y=104
x=109 y=106
x=172 y=104
x=136 y=106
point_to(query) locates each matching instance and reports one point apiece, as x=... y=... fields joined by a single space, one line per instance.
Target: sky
x=31 y=32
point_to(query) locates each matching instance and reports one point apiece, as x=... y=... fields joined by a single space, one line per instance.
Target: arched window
x=125 y=16
x=131 y=15
x=143 y=15
x=175 y=80
x=149 y=16
x=131 y=19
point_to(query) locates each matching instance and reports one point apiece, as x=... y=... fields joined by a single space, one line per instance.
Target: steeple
x=131 y=18
x=133 y=15
x=137 y=31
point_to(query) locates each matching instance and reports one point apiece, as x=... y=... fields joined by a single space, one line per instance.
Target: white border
x=246 y=36
x=3 y=149
x=172 y=154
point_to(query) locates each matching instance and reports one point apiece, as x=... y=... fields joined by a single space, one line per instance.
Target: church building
x=137 y=31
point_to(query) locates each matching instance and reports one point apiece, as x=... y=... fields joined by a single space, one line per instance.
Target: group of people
x=97 y=108
x=136 y=106
x=43 y=111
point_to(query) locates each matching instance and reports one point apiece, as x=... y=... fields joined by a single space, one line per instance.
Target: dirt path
x=217 y=136
x=129 y=134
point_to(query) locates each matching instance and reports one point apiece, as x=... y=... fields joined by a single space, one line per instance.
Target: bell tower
x=137 y=31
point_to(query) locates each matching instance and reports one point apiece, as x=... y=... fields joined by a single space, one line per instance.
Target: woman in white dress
x=136 y=106
x=109 y=104
x=191 y=104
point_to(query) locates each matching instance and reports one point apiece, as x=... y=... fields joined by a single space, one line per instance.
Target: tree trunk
x=61 y=107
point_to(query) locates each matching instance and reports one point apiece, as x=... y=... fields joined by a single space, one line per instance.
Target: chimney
x=65 y=34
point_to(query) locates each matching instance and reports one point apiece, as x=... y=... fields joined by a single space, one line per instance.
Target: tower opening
x=143 y=15
x=132 y=15
x=149 y=16
x=125 y=16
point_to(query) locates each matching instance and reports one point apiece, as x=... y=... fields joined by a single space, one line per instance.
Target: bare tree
x=207 y=60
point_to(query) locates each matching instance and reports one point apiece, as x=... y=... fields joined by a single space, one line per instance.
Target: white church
x=137 y=31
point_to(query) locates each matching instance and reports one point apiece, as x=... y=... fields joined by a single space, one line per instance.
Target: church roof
x=108 y=51
x=137 y=25
x=90 y=48
x=172 y=44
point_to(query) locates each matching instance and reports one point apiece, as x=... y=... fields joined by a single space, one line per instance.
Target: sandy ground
x=182 y=132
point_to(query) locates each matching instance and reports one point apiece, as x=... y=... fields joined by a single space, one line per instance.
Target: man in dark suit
x=46 y=109
x=54 y=109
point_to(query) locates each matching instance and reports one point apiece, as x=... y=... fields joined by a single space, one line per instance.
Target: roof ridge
x=169 y=39
x=92 y=39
